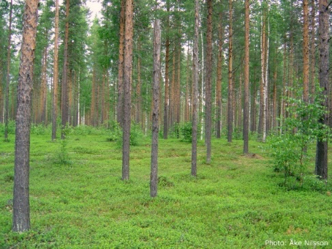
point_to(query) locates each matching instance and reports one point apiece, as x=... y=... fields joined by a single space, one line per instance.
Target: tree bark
x=305 y=51
x=219 y=78
x=312 y=50
x=166 y=102
x=321 y=168
x=64 y=87
x=187 y=95
x=155 y=111
x=8 y=71
x=246 y=82
x=21 y=206
x=195 y=93
x=43 y=89
x=230 y=75
x=121 y=64
x=264 y=84
x=128 y=54
x=138 y=87
x=55 y=71
x=208 y=84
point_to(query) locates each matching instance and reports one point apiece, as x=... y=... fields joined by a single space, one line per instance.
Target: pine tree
x=21 y=206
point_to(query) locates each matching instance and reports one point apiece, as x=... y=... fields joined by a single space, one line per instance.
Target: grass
x=235 y=201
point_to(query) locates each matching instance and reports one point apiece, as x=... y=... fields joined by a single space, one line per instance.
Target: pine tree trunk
x=55 y=71
x=138 y=87
x=246 y=82
x=166 y=102
x=21 y=206
x=219 y=78
x=43 y=89
x=93 y=98
x=8 y=70
x=121 y=72
x=178 y=84
x=172 y=91
x=305 y=51
x=312 y=50
x=195 y=93
x=208 y=84
x=321 y=168
x=128 y=50
x=275 y=104
x=155 y=111
x=64 y=87
x=264 y=87
x=230 y=112
x=187 y=96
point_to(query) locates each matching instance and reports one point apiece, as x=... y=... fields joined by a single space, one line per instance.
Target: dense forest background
x=277 y=64
x=180 y=70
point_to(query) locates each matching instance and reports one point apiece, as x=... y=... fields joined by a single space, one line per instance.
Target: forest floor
x=78 y=200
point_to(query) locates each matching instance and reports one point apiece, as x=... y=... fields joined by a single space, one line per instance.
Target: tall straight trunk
x=121 y=72
x=102 y=100
x=253 y=116
x=266 y=74
x=238 y=104
x=312 y=49
x=93 y=109
x=128 y=63
x=291 y=65
x=178 y=83
x=230 y=75
x=264 y=84
x=107 y=97
x=246 y=82
x=138 y=87
x=172 y=91
x=55 y=71
x=70 y=95
x=21 y=205
x=166 y=102
x=305 y=51
x=202 y=97
x=321 y=168
x=208 y=82
x=187 y=96
x=8 y=70
x=155 y=111
x=43 y=89
x=64 y=88
x=13 y=100
x=219 y=78
x=275 y=104
x=195 y=93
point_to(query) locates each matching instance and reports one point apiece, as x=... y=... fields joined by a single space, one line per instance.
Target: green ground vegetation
x=78 y=199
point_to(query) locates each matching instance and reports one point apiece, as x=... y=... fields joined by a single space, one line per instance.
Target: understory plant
x=290 y=144
x=115 y=134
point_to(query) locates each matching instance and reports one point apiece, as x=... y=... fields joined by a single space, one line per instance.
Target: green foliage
x=115 y=134
x=87 y=130
x=234 y=202
x=175 y=130
x=40 y=129
x=186 y=131
x=62 y=157
x=290 y=149
x=11 y=127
